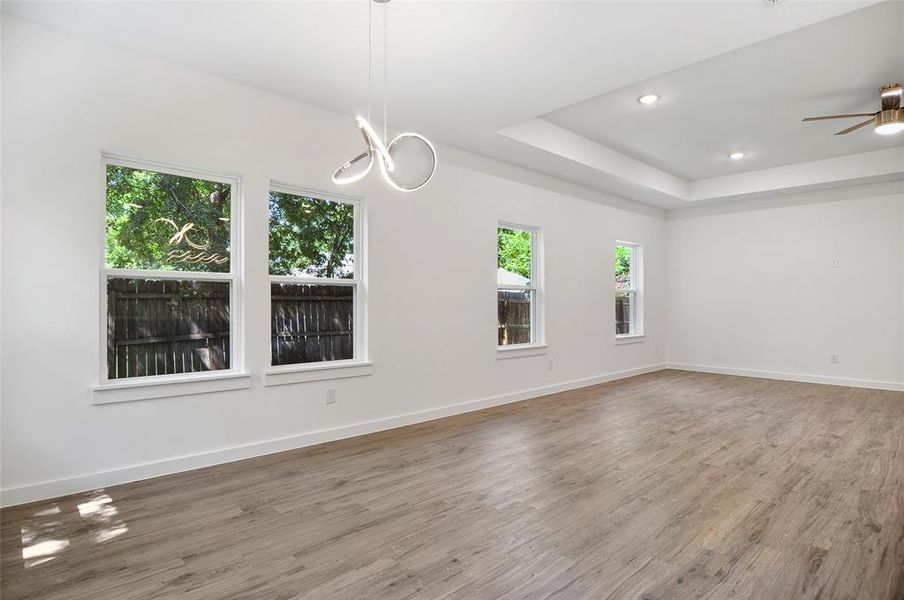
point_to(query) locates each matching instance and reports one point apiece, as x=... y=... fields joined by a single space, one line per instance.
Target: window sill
x=165 y=386
x=633 y=338
x=288 y=374
x=521 y=350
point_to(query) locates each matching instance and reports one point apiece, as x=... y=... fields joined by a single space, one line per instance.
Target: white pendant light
x=408 y=161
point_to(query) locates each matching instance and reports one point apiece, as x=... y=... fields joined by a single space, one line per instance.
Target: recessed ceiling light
x=736 y=155
x=648 y=99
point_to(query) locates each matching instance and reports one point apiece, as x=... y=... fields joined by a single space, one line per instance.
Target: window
x=170 y=272
x=316 y=305
x=518 y=285
x=628 y=300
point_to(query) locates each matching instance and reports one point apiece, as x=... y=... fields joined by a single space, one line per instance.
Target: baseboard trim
x=89 y=481
x=823 y=379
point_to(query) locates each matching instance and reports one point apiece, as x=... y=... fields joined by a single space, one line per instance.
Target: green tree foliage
x=514 y=251
x=311 y=237
x=153 y=219
x=622 y=266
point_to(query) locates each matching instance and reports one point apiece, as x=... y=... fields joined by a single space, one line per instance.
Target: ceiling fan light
x=889 y=128
x=889 y=122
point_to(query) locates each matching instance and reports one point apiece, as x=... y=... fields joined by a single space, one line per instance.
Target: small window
x=517 y=283
x=315 y=279
x=169 y=272
x=628 y=301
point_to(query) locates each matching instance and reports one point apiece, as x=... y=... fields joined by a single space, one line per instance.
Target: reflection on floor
x=43 y=532
x=668 y=485
x=39 y=542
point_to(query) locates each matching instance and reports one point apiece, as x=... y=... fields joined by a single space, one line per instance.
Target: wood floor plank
x=667 y=485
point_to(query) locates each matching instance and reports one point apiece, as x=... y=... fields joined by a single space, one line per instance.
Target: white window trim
x=320 y=371
x=358 y=365
x=167 y=386
x=630 y=338
x=537 y=345
x=636 y=287
x=178 y=384
x=521 y=351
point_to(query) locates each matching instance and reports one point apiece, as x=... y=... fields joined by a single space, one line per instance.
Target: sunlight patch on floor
x=43 y=535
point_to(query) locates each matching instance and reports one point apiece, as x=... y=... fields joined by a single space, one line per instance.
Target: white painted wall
x=66 y=99
x=756 y=290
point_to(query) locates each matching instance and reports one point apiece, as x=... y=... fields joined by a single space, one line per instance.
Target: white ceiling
x=478 y=75
x=752 y=99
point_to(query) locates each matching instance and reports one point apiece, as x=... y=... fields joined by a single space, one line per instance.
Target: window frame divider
x=312 y=280
x=172 y=275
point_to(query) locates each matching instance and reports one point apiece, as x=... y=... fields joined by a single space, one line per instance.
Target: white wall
x=65 y=100
x=756 y=290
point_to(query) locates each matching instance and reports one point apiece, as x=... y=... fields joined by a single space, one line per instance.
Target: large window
x=316 y=305
x=628 y=299
x=518 y=285
x=170 y=272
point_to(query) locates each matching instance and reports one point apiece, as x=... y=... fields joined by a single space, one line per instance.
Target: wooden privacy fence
x=514 y=308
x=311 y=323
x=162 y=327
x=622 y=314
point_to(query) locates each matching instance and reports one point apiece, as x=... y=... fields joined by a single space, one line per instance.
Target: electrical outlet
x=550 y=364
x=331 y=396
x=833 y=358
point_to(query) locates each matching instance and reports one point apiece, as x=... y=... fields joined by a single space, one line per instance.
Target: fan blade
x=851 y=116
x=850 y=129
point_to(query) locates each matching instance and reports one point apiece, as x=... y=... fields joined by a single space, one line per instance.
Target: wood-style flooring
x=668 y=485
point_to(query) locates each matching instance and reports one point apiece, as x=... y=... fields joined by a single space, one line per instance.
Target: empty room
x=452 y=300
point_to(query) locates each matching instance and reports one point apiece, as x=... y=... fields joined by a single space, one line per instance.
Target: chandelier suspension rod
x=370 y=53
x=385 y=71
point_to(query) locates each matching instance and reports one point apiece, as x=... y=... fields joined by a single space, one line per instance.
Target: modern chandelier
x=408 y=161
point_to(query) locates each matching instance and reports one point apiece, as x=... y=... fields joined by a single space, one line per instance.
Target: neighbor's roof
x=508 y=278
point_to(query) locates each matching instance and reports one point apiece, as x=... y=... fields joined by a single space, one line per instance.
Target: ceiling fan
x=888 y=120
